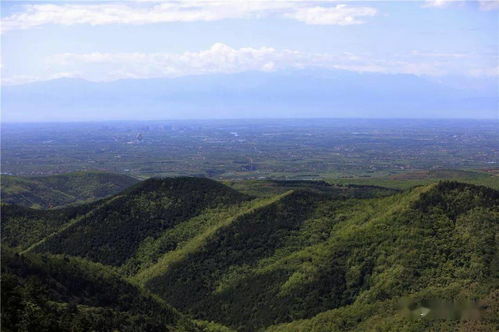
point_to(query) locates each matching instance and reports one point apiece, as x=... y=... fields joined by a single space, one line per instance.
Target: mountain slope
x=48 y=293
x=297 y=260
x=112 y=232
x=189 y=237
x=22 y=227
x=268 y=188
x=488 y=178
x=63 y=189
x=251 y=233
x=312 y=258
x=444 y=309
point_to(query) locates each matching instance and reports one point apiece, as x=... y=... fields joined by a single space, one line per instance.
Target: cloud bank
x=482 y=4
x=321 y=12
x=223 y=59
x=314 y=12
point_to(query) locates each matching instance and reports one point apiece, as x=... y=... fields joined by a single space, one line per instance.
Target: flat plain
x=252 y=149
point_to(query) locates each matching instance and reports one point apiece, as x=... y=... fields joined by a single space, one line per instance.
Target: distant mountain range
x=288 y=94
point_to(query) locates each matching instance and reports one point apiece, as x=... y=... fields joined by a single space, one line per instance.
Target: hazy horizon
x=243 y=120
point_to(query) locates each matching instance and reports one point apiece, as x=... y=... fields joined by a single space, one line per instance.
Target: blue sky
x=105 y=41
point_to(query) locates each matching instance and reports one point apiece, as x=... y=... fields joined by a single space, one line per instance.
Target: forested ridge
x=63 y=189
x=300 y=256
x=113 y=232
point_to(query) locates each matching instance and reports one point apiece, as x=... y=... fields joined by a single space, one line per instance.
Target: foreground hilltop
x=310 y=258
x=118 y=229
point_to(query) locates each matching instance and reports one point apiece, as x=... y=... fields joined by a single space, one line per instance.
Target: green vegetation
x=411 y=179
x=304 y=149
x=437 y=309
x=314 y=255
x=291 y=256
x=61 y=190
x=189 y=237
x=59 y=293
x=269 y=188
x=112 y=232
x=22 y=227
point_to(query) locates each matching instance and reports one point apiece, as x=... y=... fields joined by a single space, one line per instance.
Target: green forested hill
x=302 y=257
x=58 y=293
x=266 y=188
x=488 y=178
x=113 y=231
x=298 y=257
x=22 y=227
x=60 y=190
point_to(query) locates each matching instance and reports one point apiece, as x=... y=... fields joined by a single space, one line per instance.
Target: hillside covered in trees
x=62 y=189
x=59 y=293
x=277 y=256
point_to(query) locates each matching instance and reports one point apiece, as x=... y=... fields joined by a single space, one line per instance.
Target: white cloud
x=23 y=79
x=441 y=3
x=219 y=58
x=182 y=11
x=482 y=4
x=440 y=54
x=489 y=4
x=150 y=12
x=339 y=15
x=223 y=59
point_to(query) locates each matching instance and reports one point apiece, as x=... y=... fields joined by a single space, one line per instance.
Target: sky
x=439 y=40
